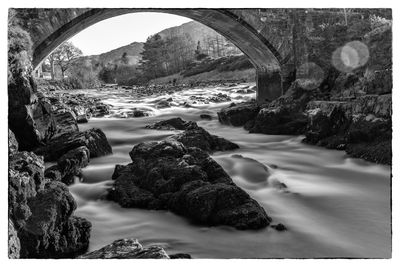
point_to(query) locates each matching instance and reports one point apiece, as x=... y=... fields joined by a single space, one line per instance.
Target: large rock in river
x=69 y=165
x=94 y=139
x=126 y=249
x=279 y=121
x=65 y=122
x=167 y=175
x=200 y=138
x=193 y=135
x=238 y=114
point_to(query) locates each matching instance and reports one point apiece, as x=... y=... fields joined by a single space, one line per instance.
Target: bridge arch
x=262 y=54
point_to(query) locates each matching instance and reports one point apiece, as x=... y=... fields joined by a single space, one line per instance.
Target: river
x=334 y=206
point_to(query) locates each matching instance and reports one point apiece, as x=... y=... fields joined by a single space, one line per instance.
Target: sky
x=123 y=30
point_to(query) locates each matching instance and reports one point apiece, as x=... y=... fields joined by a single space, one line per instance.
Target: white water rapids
x=334 y=206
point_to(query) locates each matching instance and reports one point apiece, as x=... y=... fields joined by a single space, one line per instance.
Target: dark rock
x=167 y=175
x=65 y=122
x=279 y=227
x=334 y=125
x=163 y=104
x=180 y=256
x=244 y=91
x=279 y=121
x=94 y=139
x=32 y=123
x=378 y=105
x=53 y=173
x=138 y=113
x=29 y=116
x=187 y=105
x=99 y=110
x=126 y=249
x=370 y=138
x=239 y=114
x=218 y=204
x=70 y=164
x=220 y=97
x=25 y=178
x=322 y=125
x=12 y=143
x=14 y=246
x=82 y=119
x=200 y=138
x=376 y=151
x=205 y=117
x=172 y=124
x=51 y=231
x=193 y=135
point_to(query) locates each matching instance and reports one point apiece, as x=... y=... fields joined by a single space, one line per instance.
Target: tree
x=64 y=56
x=50 y=60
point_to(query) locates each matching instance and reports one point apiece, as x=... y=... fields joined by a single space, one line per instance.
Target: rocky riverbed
x=177 y=163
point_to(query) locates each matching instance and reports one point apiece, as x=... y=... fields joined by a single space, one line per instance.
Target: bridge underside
x=265 y=58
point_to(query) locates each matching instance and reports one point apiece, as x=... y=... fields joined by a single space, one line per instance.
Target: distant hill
x=114 y=56
x=132 y=51
x=210 y=42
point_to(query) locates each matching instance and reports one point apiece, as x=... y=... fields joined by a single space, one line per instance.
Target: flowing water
x=333 y=206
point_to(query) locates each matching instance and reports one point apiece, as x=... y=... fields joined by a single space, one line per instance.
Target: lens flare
x=310 y=76
x=351 y=56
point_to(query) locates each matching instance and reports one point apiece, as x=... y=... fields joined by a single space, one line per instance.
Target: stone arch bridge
x=273 y=39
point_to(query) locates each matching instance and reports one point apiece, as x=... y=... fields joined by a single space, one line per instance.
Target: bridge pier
x=269 y=85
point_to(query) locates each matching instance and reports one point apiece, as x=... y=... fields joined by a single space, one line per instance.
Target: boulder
x=220 y=97
x=126 y=249
x=94 y=139
x=12 y=143
x=205 y=117
x=51 y=231
x=168 y=175
x=279 y=227
x=284 y=115
x=82 y=118
x=172 y=124
x=239 y=114
x=193 y=135
x=200 y=138
x=279 y=121
x=325 y=128
x=334 y=125
x=65 y=122
x=32 y=123
x=25 y=179
x=163 y=104
x=100 y=109
x=14 y=246
x=69 y=165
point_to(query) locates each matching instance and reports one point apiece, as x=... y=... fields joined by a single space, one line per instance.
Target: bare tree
x=64 y=55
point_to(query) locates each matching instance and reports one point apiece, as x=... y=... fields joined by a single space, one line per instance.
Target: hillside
x=211 y=42
x=120 y=65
